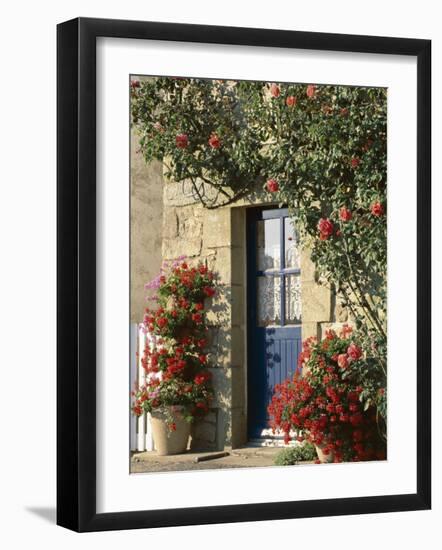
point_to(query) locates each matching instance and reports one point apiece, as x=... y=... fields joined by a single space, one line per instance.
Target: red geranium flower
x=197 y=318
x=209 y=291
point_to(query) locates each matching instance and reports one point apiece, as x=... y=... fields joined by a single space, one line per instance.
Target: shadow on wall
x=213 y=430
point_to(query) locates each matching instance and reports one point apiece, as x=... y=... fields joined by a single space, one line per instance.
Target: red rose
x=355 y=162
x=198 y=307
x=135 y=84
x=345 y=214
x=377 y=209
x=272 y=185
x=202 y=359
x=354 y=351
x=326 y=228
x=182 y=141
x=214 y=141
x=343 y=360
x=291 y=101
x=275 y=90
x=202 y=269
x=209 y=291
x=311 y=91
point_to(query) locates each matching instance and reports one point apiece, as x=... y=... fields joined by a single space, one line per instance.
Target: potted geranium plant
x=177 y=387
x=335 y=401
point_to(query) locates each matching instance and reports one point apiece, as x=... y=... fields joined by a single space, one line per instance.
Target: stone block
x=222 y=385
x=308 y=270
x=238 y=387
x=237 y=304
x=190 y=222
x=170 y=223
x=220 y=346
x=237 y=353
x=316 y=303
x=174 y=248
x=204 y=431
x=223 y=264
x=217 y=228
x=341 y=312
x=238 y=226
x=310 y=329
x=238 y=265
x=238 y=430
x=179 y=194
x=219 y=307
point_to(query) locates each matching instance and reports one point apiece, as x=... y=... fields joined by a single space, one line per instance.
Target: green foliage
x=324 y=148
x=293 y=455
x=175 y=357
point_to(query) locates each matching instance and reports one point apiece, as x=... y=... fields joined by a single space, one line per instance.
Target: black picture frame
x=76 y=274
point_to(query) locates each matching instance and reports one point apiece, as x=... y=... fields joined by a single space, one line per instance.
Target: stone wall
x=166 y=222
x=321 y=308
x=218 y=238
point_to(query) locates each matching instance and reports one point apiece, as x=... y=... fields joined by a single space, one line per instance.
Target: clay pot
x=323 y=458
x=169 y=442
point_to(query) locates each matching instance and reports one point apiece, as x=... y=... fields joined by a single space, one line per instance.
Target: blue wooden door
x=274 y=308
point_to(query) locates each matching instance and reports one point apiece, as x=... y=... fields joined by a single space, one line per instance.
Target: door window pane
x=268 y=249
x=292 y=259
x=269 y=301
x=292 y=300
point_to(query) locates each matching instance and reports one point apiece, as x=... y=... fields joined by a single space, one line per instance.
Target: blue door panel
x=272 y=350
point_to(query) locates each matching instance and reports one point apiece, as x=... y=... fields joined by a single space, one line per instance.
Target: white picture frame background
x=117 y=490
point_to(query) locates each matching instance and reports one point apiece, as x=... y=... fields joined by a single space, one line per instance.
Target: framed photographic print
x=243 y=274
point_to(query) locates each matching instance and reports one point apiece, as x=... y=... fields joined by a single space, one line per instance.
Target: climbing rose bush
x=176 y=360
x=319 y=149
x=333 y=404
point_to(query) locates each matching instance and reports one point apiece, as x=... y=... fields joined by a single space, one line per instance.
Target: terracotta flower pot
x=324 y=458
x=168 y=442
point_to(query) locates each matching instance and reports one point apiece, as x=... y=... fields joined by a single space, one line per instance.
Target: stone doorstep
x=245 y=452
